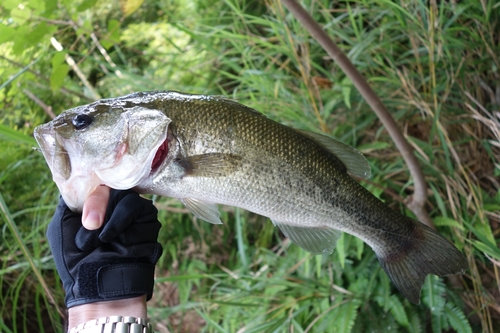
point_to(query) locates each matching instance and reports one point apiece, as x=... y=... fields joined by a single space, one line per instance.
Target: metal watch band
x=114 y=324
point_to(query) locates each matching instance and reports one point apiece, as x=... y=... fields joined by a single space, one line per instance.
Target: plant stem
x=417 y=202
x=46 y=108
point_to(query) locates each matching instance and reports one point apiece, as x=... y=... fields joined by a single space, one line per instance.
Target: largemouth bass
x=210 y=150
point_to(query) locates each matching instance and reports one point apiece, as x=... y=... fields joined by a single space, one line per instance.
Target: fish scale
x=222 y=152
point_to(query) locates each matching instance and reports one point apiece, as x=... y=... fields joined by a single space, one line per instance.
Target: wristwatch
x=114 y=324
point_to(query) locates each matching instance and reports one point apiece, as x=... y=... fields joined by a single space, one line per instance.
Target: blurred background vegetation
x=435 y=64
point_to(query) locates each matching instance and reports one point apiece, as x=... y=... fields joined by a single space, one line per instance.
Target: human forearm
x=135 y=307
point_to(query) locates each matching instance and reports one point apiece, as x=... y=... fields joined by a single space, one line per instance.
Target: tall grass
x=434 y=65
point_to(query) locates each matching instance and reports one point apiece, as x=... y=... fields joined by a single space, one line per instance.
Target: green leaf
x=11 y=134
x=20 y=42
x=6 y=33
x=20 y=16
x=398 y=311
x=442 y=221
x=86 y=4
x=340 y=249
x=484 y=244
x=58 y=58
x=488 y=249
x=130 y=6
x=360 y=245
x=433 y=297
x=50 y=8
x=485 y=229
x=10 y=4
x=38 y=6
x=114 y=34
x=492 y=207
x=415 y=326
x=37 y=34
x=114 y=30
x=457 y=319
x=18 y=74
x=85 y=29
x=439 y=199
x=373 y=146
x=347 y=315
x=346 y=91
x=58 y=75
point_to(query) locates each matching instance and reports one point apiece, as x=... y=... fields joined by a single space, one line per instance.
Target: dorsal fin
x=355 y=163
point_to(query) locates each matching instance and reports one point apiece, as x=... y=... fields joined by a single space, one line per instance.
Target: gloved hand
x=114 y=262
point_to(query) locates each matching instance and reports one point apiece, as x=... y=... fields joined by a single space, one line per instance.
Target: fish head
x=103 y=143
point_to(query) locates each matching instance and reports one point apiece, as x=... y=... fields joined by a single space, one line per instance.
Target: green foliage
x=435 y=66
x=443 y=314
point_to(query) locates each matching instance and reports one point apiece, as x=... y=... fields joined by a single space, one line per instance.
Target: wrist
x=135 y=307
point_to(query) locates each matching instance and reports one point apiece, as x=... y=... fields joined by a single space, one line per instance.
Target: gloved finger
x=87 y=240
x=60 y=235
x=54 y=229
x=127 y=210
x=62 y=224
x=141 y=232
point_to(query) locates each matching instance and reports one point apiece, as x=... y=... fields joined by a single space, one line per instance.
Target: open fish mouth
x=160 y=156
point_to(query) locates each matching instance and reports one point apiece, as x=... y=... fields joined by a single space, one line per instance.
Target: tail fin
x=429 y=253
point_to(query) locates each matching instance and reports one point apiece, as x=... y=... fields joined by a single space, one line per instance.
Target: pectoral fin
x=317 y=240
x=355 y=163
x=210 y=165
x=203 y=210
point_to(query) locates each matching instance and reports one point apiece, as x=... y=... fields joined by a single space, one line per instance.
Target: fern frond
x=348 y=313
x=398 y=311
x=415 y=325
x=457 y=319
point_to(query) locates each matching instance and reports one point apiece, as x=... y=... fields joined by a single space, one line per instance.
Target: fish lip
x=42 y=133
x=53 y=151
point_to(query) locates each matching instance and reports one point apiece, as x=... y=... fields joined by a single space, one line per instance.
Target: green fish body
x=210 y=150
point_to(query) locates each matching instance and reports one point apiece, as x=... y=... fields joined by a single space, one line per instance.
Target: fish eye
x=81 y=121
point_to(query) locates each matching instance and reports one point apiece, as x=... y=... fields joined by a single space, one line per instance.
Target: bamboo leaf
x=9 y=221
x=11 y=134
x=487 y=248
x=373 y=146
x=484 y=244
x=346 y=91
x=441 y=221
x=340 y=249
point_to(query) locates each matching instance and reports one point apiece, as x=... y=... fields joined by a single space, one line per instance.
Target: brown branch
x=417 y=202
x=46 y=108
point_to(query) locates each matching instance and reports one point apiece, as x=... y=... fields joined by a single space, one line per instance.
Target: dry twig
x=417 y=202
x=46 y=108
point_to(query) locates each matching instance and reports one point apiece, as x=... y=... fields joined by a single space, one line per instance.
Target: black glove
x=114 y=262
